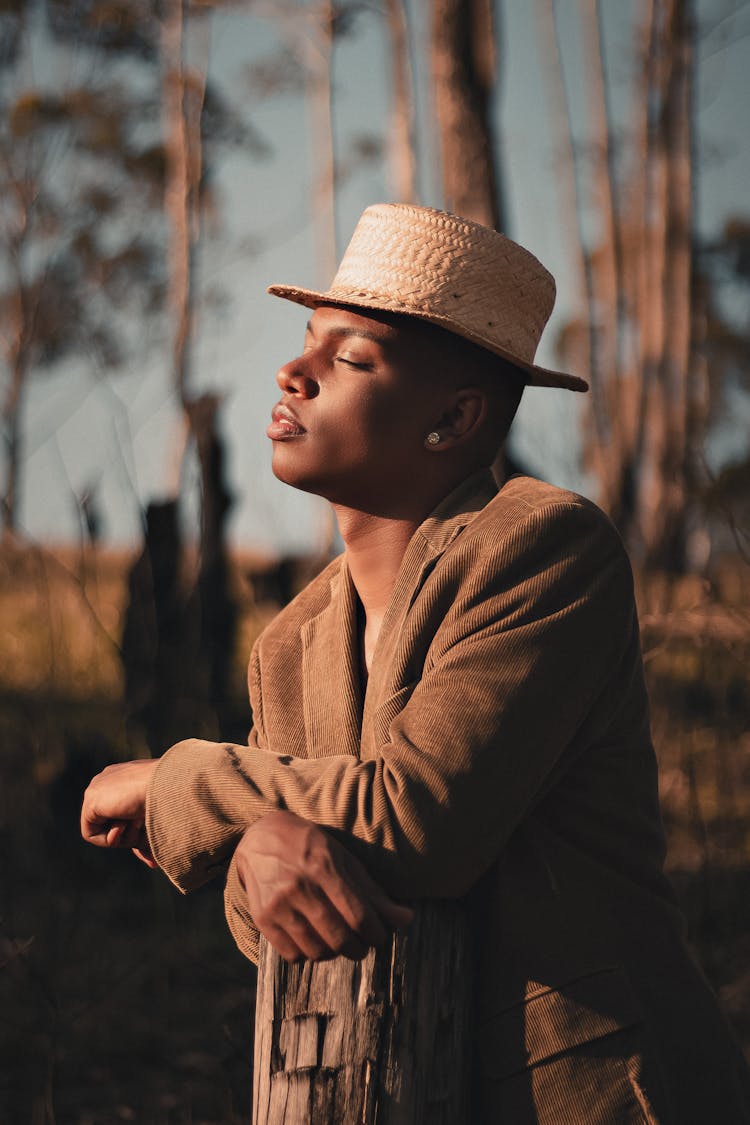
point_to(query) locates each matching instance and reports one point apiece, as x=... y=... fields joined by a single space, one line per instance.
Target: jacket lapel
x=332 y=694
x=332 y=691
x=395 y=648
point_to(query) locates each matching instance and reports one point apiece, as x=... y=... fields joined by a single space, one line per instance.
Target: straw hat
x=449 y=271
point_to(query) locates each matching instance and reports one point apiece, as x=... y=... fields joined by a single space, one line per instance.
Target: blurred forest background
x=160 y=162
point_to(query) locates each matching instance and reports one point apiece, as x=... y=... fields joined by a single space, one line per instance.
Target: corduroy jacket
x=502 y=752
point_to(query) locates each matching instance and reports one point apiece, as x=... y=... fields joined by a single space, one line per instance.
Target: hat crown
x=450 y=271
x=441 y=266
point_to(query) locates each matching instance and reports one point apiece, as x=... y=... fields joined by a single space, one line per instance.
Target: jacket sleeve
x=534 y=635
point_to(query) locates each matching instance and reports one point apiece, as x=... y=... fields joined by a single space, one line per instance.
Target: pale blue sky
x=120 y=432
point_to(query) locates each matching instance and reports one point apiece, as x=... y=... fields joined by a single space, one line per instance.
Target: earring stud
x=433 y=438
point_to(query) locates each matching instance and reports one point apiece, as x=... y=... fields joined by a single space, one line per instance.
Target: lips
x=284 y=424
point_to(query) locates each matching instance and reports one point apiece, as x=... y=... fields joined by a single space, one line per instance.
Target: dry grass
x=61 y=618
x=62 y=613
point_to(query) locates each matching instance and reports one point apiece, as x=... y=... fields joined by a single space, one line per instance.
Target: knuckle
x=340 y=944
x=276 y=900
x=289 y=889
x=279 y=941
x=271 y=907
x=313 y=842
x=359 y=915
x=287 y=892
x=320 y=864
x=265 y=918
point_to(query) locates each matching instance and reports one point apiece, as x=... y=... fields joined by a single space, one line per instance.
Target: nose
x=295 y=378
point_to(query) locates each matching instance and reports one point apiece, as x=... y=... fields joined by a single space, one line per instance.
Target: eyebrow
x=344 y=331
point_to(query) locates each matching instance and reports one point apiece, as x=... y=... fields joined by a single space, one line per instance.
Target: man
x=455 y=707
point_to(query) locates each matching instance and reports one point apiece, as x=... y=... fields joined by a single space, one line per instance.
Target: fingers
x=308 y=895
x=145 y=857
x=111 y=833
x=300 y=920
x=334 y=932
x=318 y=929
x=126 y=834
x=336 y=939
x=133 y=834
x=141 y=848
x=283 y=943
x=114 y=836
x=391 y=915
x=96 y=828
x=364 y=906
x=394 y=914
x=113 y=809
x=354 y=906
x=100 y=832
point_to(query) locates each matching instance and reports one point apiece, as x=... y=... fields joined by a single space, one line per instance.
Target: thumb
x=114 y=835
x=144 y=855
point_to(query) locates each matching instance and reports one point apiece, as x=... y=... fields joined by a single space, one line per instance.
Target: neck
x=375 y=547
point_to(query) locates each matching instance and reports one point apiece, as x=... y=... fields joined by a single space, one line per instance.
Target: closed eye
x=353 y=363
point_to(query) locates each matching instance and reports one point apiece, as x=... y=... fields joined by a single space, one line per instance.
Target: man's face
x=355 y=410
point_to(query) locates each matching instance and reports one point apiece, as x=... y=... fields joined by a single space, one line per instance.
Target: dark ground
x=120 y=999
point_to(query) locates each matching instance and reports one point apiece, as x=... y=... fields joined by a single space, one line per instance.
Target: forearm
x=205 y=795
x=426 y=815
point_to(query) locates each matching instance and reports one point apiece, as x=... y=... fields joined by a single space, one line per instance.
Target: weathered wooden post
x=383 y=1040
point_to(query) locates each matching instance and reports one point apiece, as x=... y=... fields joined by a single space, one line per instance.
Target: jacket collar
x=333 y=696
x=429 y=542
x=456 y=510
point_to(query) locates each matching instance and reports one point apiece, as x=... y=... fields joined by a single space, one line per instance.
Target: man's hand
x=308 y=895
x=114 y=808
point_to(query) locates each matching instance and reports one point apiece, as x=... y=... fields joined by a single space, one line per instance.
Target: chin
x=294 y=474
x=344 y=485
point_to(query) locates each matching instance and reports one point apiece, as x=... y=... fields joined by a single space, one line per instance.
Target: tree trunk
x=647 y=418
x=584 y=355
x=17 y=360
x=662 y=496
x=669 y=541
x=12 y=453
x=401 y=134
x=212 y=605
x=463 y=73
x=384 y=1040
x=154 y=641
x=651 y=327
x=319 y=98
x=177 y=191
x=612 y=460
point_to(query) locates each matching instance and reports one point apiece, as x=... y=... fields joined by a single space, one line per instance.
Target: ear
x=461 y=419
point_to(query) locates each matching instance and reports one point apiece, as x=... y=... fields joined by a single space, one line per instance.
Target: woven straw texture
x=451 y=272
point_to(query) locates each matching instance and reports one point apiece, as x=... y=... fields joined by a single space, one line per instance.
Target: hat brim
x=537 y=376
